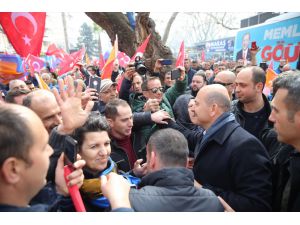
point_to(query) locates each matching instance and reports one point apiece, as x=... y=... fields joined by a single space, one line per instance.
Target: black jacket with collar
x=235 y=165
x=237 y=108
x=172 y=190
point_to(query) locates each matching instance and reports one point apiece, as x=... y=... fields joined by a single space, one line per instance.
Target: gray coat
x=172 y=190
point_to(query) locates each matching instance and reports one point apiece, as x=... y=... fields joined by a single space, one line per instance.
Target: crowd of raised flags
x=25 y=32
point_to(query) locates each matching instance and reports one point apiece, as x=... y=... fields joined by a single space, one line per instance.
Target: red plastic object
x=74 y=191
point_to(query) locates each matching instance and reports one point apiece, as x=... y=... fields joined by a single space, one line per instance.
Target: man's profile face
x=49 y=112
x=199 y=110
x=245 y=89
x=137 y=84
x=123 y=122
x=286 y=128
x=34 y=174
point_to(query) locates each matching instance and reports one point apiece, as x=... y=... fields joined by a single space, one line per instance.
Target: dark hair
x=145 y=83
x=238 y=67
x=92 y=68
x=171 y=147
x=28 y=100
x=10 y=96
x=28 y=82
x=201 y=73
x=258 y=75
x=16 y=137
x=111 y=110
x=94 y=123
x=291 y=83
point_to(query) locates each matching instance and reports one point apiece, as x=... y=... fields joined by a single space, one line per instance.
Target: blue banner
x=221 y=45
x=277 y=40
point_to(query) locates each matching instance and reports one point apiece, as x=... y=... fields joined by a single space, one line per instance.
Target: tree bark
x=117 y=23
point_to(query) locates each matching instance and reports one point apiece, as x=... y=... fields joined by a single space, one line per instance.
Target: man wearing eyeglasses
x=155 y=99
x=226 y=78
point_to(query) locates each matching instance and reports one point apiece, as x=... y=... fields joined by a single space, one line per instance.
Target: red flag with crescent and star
x=24 y=30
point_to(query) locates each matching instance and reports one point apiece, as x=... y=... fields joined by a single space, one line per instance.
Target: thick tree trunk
x=117 y=23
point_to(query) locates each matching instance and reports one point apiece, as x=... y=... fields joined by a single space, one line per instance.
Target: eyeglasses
x=223 y=84
x=155 y=90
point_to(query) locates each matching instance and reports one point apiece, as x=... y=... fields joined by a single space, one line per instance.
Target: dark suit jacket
x=239 y=55
x=235 y=165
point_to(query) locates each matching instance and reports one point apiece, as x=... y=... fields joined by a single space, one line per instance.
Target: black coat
x=172 y=190
x=286 y=180
x=236 y=166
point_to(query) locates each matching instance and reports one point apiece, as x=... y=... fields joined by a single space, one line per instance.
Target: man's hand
x=254 y=52
x=74 y=178
x=90 y=94
x=139 y=169
x=152 y=105
x=129 y=72
x=160 y=117
x=69 y=101
x=182 y=72
x=227 y=207
x=116 y=189
x=157 y=66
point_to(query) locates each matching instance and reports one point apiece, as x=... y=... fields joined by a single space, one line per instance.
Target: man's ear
x=297 y=119
x=12 y=170
x=259 y=86
x=110 y=122
x=152 y=161
x=213 y=109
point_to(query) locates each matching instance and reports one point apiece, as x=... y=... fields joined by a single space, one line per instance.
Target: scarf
x=225 y=118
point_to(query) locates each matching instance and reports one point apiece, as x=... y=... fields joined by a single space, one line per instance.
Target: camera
x=140 y=66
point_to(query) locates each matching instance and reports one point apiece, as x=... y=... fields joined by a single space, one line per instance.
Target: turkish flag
x=123 y=59
x=101 y=61
x=34 y=63
x=69 y=62
x=141 y=49
x=24 y=30
x=180 y=58
x=57 y=52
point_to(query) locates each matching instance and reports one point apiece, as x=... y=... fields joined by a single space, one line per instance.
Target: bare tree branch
x=168 y=27
x=221 y=22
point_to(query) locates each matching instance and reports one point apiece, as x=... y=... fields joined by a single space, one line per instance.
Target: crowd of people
x=207 y=141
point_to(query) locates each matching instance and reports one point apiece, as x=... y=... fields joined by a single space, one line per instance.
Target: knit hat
x=106 y=84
